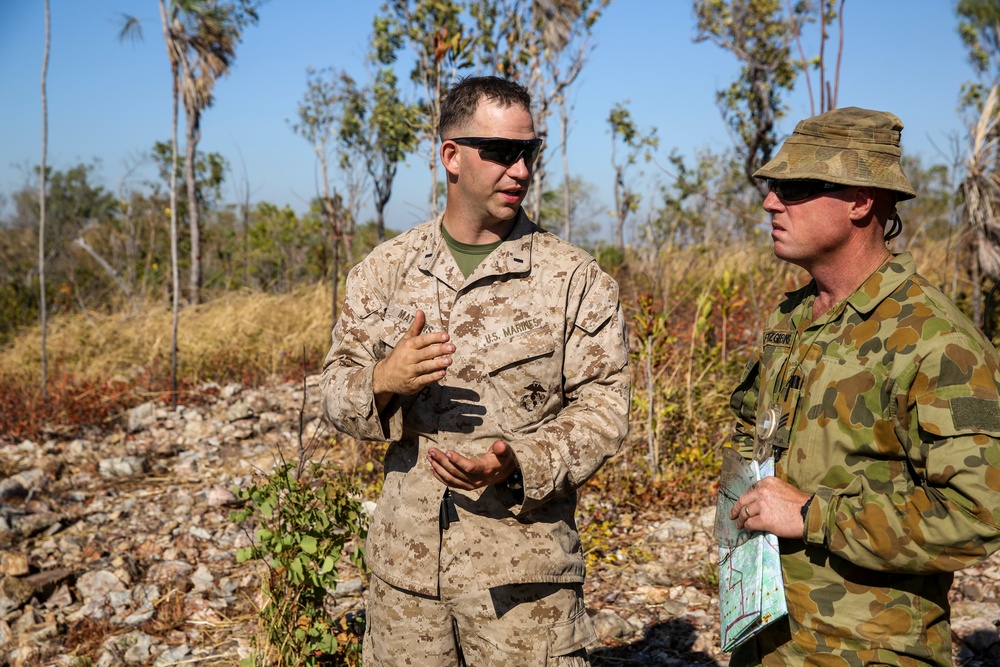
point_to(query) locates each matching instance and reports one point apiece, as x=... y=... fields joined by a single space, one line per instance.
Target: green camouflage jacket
x=541 y=362
x=891 y=416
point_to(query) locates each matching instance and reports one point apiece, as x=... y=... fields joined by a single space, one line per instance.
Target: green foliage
x=283 y=250
x=635 y=144
x=18 y=307
x=708 y=576
x=758 y=34
x=378 y=130
x=442 y=46
x=979 y=30
x=609 y=257
x=209 y=175
x=305 y=522
x=708 y=202
x=604 y=534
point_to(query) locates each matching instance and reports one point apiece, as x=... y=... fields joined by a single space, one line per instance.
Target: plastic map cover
x=751 y=589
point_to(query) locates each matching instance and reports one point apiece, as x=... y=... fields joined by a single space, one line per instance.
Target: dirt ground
x=118 y=550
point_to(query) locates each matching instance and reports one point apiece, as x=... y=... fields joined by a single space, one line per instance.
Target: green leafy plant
x=306 y=516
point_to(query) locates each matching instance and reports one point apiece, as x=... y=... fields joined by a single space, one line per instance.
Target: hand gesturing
x=417 y=361
x=459 y=472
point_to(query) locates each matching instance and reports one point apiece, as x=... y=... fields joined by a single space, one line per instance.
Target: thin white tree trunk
x=175 y=271
x=41 y=204
x=194 y=222
x=563 y=135
x=104 y=264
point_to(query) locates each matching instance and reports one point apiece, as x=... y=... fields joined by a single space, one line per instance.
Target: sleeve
x=743 y=404
x=348 y=371
x=948 y=516
x=566 y=451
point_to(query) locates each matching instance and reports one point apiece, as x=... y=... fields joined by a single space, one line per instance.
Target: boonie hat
x=850 y=146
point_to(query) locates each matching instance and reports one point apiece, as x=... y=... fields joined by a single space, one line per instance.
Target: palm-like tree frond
x=981 y=188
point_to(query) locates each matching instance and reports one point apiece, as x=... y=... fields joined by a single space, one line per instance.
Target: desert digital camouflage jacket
x=541 y=362
x=894 y=426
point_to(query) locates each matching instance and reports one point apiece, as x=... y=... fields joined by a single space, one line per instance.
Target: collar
x=512 y=256
x=873 y=291
x=882 y=283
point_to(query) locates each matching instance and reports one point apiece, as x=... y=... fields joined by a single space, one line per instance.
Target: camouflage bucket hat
x=851 y=146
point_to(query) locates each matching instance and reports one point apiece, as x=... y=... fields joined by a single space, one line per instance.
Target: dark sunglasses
x=505 y=151
x=799 y=190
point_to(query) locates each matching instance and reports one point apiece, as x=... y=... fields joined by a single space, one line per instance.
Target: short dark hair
x=461 y=101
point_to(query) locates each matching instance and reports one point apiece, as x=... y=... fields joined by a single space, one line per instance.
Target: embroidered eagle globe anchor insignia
x=534 y=398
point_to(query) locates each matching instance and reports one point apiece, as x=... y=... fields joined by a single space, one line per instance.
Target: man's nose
x=520 y=168
x=772 y=203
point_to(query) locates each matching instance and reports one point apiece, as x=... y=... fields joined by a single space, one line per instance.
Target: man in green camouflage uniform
x=884 y=400
x=492 y=356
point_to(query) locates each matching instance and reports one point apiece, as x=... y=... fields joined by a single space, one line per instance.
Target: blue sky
x=111 y=101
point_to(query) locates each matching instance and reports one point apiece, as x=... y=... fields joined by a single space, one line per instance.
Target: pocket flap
x=570 y=636
x=524 y=346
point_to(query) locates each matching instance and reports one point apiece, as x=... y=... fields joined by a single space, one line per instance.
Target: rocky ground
x=119 y=550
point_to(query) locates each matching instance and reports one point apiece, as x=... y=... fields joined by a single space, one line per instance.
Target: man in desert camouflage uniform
x=884 y=398
x=492 y=356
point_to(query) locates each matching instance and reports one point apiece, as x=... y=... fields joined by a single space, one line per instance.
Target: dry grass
x=246 y=334
x=100 y=365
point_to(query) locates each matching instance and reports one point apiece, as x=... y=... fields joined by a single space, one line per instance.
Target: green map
x=751 y=589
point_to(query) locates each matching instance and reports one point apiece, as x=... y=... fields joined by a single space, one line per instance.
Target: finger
x=461 y=466
x=445 y=465
x=448 y=478
x=438 y=469
x=432 y=346
x=428 y=367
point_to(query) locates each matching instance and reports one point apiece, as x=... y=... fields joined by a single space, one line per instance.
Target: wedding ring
x=746 y=510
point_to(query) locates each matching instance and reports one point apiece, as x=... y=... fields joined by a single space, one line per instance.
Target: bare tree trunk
x=563 y=133
x=194 y=224
x=41 y=203
x=246 y=241
x=243 y=196
x=538 y=168
x=110 y=270
x=976 y=289
x=336 y=281
x=175 y=270
x=652 y=441
x=621 y=208
x=435 y=102
x=132 y=248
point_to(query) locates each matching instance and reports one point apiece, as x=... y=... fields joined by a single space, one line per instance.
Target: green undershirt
x=469 y=256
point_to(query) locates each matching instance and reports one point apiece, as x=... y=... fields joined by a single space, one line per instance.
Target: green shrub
x=305 y=521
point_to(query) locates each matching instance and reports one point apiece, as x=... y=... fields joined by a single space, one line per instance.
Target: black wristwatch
x=515 y=482
x=805 y=507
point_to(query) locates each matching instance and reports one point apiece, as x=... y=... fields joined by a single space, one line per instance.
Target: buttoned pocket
x=524 y=370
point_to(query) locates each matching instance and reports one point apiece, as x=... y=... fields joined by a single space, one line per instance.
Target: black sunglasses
x=802 y=189
x=505 y=151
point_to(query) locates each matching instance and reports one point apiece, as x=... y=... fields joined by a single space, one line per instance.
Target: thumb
x=416 y=326
x=502 y=451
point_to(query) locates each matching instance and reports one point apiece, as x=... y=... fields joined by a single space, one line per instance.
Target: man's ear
x=862 y=202
x=450 y=157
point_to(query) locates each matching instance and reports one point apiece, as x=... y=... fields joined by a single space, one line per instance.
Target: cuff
x=384 y=425
x=821 y=506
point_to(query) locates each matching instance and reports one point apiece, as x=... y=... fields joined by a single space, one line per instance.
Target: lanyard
x=773 y=424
